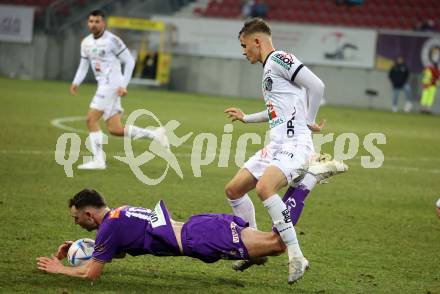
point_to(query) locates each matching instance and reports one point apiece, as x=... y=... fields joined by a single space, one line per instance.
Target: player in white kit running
x=104 y=52
x=292 y=94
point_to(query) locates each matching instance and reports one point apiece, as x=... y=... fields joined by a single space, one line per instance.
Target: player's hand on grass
x=121 y=92
x=73 y=89
x=62 y=250
x=317 y=127
x=49 y=265
x=235 y=114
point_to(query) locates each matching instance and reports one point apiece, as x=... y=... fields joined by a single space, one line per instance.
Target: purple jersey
x=136 y=231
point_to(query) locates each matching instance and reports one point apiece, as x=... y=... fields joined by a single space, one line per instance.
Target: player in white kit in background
x=292 y=94
x=104 y=52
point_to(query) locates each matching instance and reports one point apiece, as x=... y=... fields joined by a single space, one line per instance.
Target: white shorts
x=107 y=101
x=292 y=158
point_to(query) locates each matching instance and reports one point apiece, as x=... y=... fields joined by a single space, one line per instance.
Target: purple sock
x=294 y=199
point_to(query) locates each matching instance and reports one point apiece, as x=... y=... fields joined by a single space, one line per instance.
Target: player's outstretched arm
x=91 y=270
x=237 y=114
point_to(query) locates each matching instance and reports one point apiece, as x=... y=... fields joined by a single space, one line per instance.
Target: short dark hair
x=255 y=25
x=97 y=13
x=87 y=197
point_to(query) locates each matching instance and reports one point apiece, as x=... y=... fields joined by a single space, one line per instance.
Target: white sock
x=137 y=132
x=309 y=181
x=281 y=219
x=96 y=139
x=244 y=208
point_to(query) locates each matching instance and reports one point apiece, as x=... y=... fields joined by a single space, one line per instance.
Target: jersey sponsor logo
x=274 y=120
x=267 y=84
x=290 y=126
x=235 y=237
x=283 y=59
x=271 y=111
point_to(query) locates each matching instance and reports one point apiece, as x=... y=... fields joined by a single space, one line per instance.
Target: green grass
x=369 y=231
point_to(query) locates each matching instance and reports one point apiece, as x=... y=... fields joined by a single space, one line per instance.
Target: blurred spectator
x=399 y=75
x=259 y=9
x=246 y=8
x=431 y=79
x=149 y=66
x=425 y=26
x=428 y=26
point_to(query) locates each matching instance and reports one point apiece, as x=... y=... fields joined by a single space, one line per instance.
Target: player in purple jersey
x=138 y=231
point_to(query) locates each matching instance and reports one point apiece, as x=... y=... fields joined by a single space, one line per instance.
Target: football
x=80 y=251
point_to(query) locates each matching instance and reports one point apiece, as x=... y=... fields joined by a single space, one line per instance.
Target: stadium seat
x=400 y=14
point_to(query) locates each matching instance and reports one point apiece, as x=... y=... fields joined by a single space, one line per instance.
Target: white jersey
x=102 y=53
x=286 y=101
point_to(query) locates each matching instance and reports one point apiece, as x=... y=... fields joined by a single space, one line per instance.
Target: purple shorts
x=210 y=237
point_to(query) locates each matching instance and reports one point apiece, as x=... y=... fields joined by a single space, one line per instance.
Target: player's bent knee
x=116 y=131
x=263 y=190
x=91 y=123
x=231 y=193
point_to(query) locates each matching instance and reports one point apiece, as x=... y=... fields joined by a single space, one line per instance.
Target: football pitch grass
x=368 y=231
